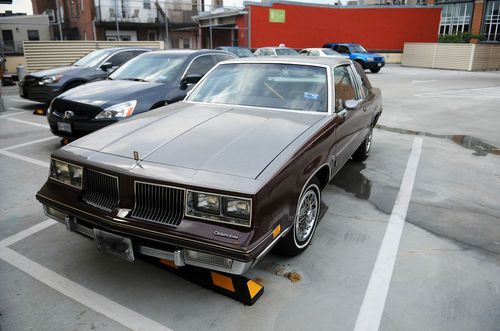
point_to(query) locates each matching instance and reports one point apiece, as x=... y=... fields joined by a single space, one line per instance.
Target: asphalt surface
x=446 y=274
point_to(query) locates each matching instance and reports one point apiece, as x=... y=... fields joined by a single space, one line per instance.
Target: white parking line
x=30 y=143
x=24 y=158
x=22 y=100
x=46 y=126
x=26 y=233
x=11 y=114
x=83 y=295
x=371 y=310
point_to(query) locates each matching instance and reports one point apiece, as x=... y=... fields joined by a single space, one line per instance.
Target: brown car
x=217 y=180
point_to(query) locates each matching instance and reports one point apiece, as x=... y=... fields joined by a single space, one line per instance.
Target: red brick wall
x=382 y=28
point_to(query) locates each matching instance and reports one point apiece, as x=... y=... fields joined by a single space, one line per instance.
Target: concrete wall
x=452 y=56
x=19 y=25
x=12 y=62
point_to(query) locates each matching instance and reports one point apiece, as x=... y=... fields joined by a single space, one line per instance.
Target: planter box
x=452 y=56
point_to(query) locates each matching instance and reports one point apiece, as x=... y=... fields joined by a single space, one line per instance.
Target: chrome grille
x=158 y=203
x=101 y=190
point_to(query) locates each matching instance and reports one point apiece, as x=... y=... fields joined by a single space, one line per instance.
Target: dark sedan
x=217 y=180
x=43 y=86
x=149 y=81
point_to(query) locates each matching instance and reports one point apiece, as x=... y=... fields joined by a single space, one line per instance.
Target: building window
x=51 y=14
x=74 y=8
x=455 y=18
x=491 y=25
x=33 y=35
x=147 y=4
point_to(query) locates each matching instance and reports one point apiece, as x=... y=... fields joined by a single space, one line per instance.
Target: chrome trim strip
x=271 y=245
x=119 y=223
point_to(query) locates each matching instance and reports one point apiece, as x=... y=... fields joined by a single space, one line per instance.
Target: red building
x=300 y=25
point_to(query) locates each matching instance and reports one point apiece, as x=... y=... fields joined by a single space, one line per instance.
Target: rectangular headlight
x=66 y=173
x=237 y=208
x=219 y=208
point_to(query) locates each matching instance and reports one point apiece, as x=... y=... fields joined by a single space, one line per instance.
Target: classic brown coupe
x=217 y=180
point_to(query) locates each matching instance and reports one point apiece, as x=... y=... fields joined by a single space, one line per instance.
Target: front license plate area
x=380 y=64
x=115 y=245
x=63 y=126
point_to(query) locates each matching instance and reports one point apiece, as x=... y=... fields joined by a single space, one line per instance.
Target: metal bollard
x=21 y=72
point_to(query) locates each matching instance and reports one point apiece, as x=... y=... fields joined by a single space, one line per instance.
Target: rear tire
x=363 y=150
x=375 y=70
x=306 y=219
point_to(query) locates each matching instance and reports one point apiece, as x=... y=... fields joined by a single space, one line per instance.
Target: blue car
x=356 y=52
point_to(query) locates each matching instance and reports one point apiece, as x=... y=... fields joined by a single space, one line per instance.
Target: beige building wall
x=20 y=25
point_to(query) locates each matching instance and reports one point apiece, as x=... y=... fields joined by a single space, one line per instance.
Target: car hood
x=230 y=140
x=106 y=93
x=69 y=70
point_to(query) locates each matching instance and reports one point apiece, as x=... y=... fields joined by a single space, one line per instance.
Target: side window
x=120 y=58
x=363 y=80
x=343 y=49
x=344 y=86
x=135 y=53
x=314 y=53
x=266 y=52
x=304 y=52
x=201 y=65
x=336 y=48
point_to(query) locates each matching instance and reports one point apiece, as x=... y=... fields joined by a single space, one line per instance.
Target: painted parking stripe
x=30 y=143
x=83 y=295
x=22 y=100
x=26 y=233
x=11 y=114
x=46 y=126
x=371 y=310
x=26 y=111
x=25 y=158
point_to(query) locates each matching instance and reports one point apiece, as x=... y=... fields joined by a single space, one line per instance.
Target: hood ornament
x=136 y=155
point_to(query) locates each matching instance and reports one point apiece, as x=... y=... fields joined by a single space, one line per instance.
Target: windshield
x=157 y=68
x=286 y=51
x=241 y=52
x=328 y=51
x=271 y=85
x=93 y=58
x=357 y=49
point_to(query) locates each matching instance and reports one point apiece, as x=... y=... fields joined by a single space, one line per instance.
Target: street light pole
x=58 y=9
x=116 y=22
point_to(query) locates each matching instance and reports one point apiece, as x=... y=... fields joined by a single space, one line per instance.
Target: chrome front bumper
x=179 y=257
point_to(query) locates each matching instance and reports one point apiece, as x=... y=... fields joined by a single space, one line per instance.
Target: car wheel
x=375 y=70
x=306 y=219
x=363 y=150
x=361 y=63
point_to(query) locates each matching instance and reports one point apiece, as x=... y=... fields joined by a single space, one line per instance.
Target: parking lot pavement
x=446 y=268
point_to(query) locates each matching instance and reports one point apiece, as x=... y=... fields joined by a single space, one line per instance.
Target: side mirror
x=351 y=104
x=106 y=66
x=190 y=80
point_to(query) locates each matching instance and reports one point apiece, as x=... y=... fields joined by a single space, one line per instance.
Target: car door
x=366 y=98
x=350 y=123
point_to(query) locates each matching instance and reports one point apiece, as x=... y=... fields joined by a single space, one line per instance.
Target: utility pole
x=58 y=9
x=116 y=22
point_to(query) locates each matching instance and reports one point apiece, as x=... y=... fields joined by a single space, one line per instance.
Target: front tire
x=363 y=150
x=306 y=219
x=375 y=70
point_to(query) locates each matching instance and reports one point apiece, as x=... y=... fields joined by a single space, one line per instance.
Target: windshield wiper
x=136 y=79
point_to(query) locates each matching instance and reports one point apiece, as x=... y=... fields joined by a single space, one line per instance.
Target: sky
x=24 y=6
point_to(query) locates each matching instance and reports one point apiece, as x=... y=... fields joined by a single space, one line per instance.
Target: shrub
x=460 y=37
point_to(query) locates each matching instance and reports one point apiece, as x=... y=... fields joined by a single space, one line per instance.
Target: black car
x=146 y=82
x=43 y=86
x=238 y=51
